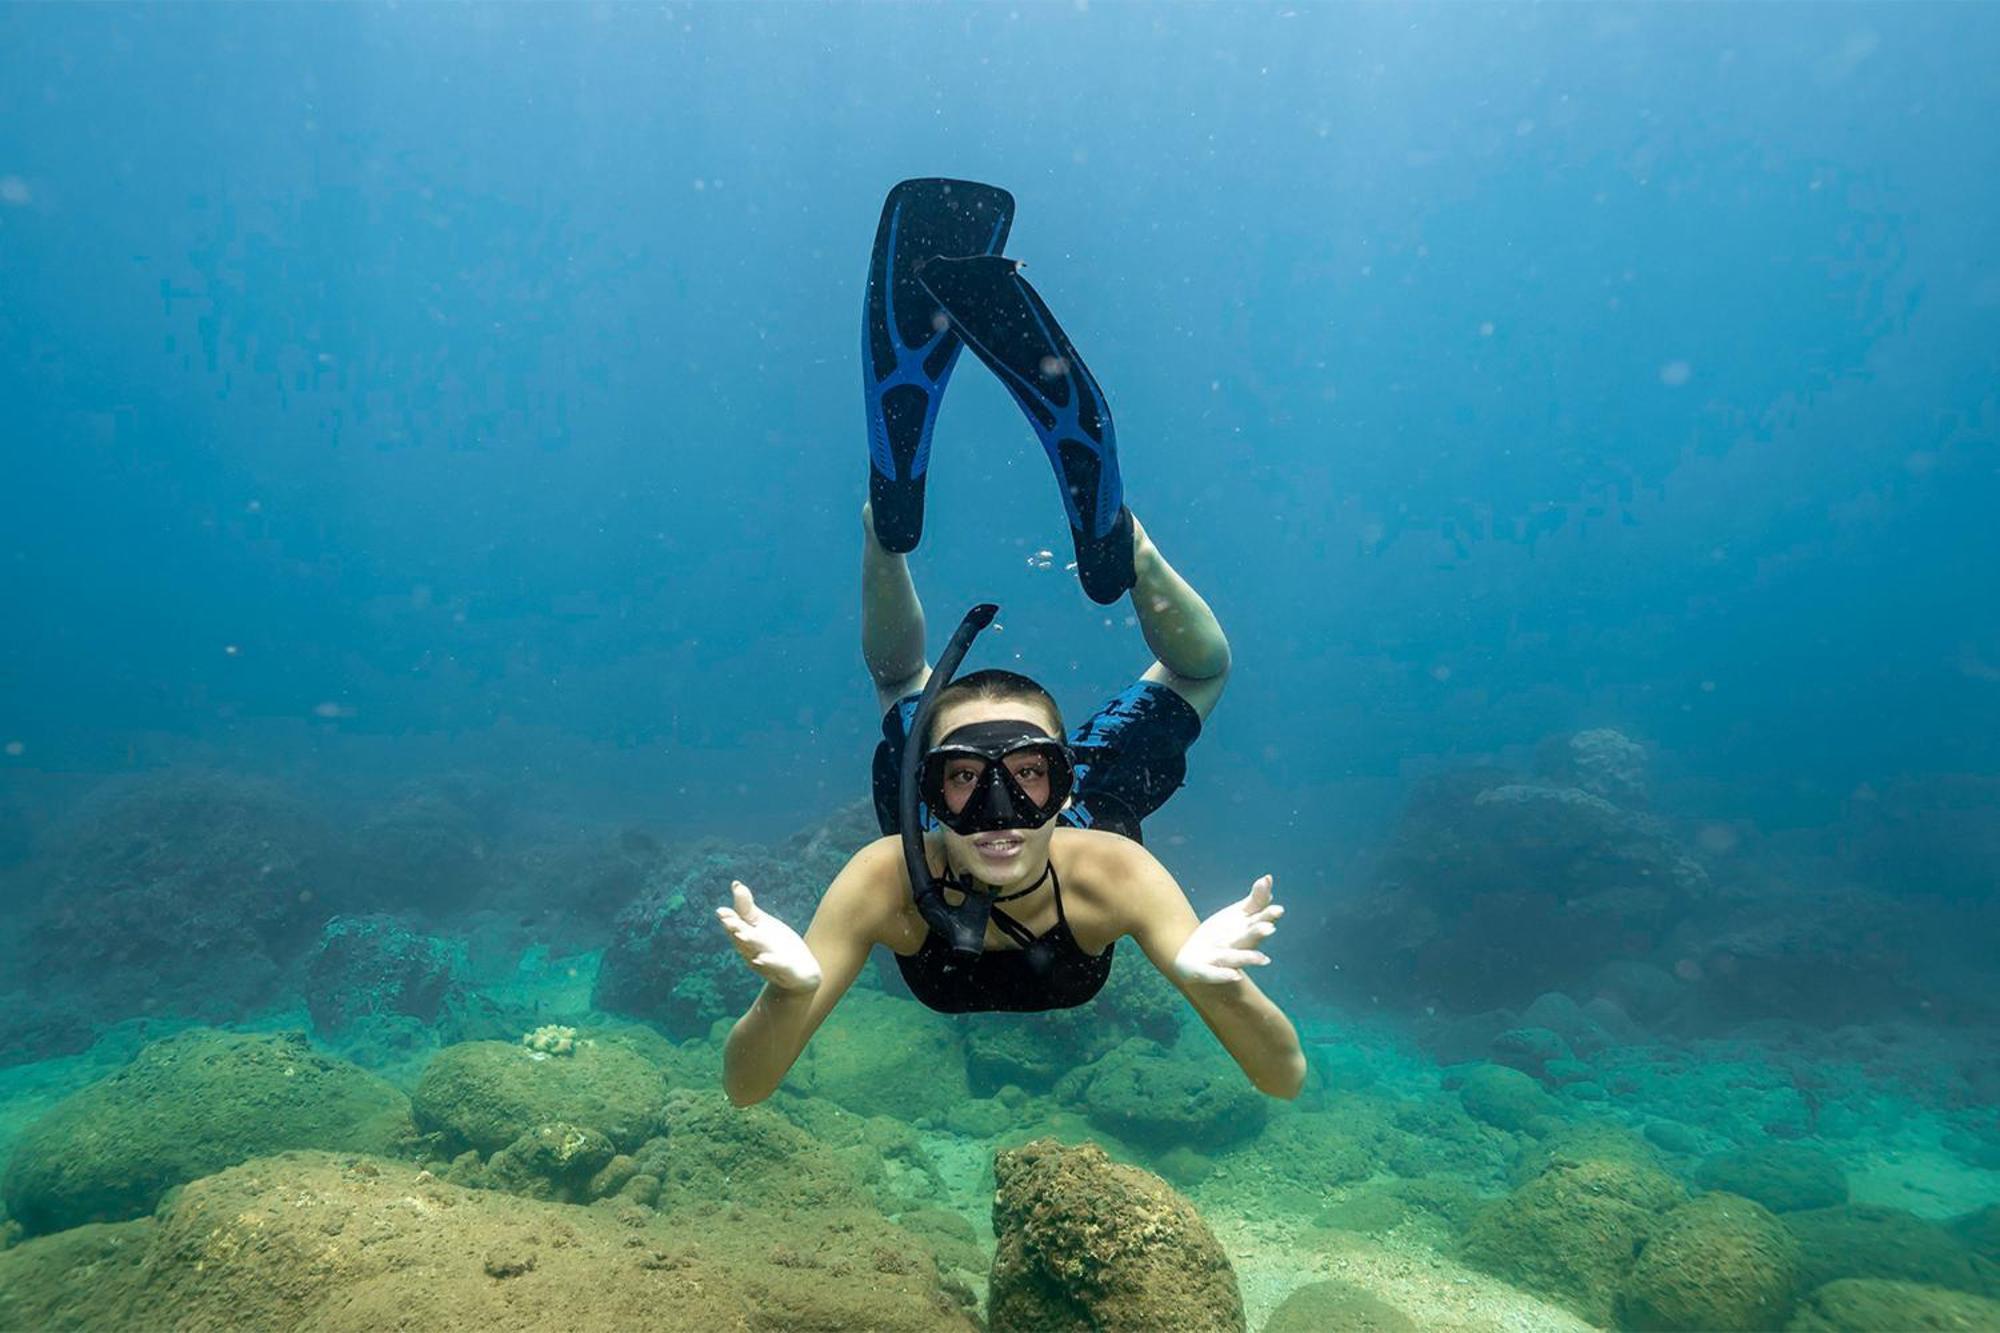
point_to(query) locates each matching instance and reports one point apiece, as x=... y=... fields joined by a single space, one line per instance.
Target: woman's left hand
x=1222 y=946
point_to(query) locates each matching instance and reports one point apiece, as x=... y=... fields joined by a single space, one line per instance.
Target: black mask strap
x=963 y=927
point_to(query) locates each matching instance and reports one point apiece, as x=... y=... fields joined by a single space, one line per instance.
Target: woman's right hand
x=773 y=949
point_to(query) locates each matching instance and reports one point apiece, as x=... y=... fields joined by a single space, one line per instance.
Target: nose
x=1000 y=802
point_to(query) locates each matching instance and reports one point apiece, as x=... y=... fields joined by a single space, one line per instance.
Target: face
x=1009 y=858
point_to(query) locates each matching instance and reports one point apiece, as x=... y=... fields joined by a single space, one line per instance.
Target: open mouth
x=999 y=848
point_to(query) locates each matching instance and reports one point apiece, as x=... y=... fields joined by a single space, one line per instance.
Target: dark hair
x=995 y=683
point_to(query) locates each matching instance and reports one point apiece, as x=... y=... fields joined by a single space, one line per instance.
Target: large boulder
x=1087 y=1243
x=714 y=1156
x=483 y=1096
x=1874 y=1241
x=1878 y=1305
x=1495 y=889
x=1506 y=1098
x=431 y=849
x=1719 y=1264
x=1570 y=1234
x=876 y=1055
x=1321 y=1307
x=187 y=1107
x=669 y=963
x=1034 y=1051
x=1837 y=954
x=324 y=1242
x=1157 y=1099
x=174 y=894
x=375 y=966
x=1784 y=1177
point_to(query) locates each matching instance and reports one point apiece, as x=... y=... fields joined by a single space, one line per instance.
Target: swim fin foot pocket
x=908 y=347
x=1008 y=326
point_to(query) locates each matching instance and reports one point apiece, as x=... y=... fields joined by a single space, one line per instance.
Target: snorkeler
x=984 y=756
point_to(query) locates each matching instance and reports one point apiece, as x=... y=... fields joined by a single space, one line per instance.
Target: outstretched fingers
x=742 y=920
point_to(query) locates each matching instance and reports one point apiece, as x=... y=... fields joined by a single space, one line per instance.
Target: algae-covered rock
x=1033 y=1051
x=1876 y=1305
x=187 y=1107
x=1297 y=1162
x=1873 y=1241
x=486 y=1094
x=1442 y=1206
x=668 y=964
x=1719 y=1263
x=953 y=1241
x=1589 y=1140
x=1570 y=1233
x=980 y=1118
x=370 y=966
x=888 y=1155
x=1981 y=1231
x=714 y=1154
x=552 y=1161
x=1321 y=1307
x=1428 y=1136
x=81 y=1278
x=1159 y=1099
x=1784 y=1177
x=1532 y=1051
x=1087 y=1243
x=876 y=1055
x=1505 y=1098
x=1185 y=1167
x=324 y=1242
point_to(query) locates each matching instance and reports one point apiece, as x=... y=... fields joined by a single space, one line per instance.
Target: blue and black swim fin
x=907 y=346
x=1008 y=326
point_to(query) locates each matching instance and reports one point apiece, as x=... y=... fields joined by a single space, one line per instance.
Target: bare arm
x=767 y=1040
x=1253 y=1030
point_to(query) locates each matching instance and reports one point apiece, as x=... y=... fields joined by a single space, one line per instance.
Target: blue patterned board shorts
x=1131 y=755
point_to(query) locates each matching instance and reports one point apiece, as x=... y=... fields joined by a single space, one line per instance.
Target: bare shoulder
x=874 y=883
x=1113 y=877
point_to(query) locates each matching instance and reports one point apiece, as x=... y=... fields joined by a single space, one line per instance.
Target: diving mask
x=986 y=777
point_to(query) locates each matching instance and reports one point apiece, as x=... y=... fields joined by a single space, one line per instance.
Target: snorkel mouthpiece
x=962 y=927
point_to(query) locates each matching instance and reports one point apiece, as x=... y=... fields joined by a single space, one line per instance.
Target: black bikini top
x=1047 y=971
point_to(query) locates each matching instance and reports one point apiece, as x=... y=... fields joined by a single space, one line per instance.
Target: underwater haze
x=431 y=483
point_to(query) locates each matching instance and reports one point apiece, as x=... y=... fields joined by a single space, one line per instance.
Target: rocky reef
x=1087 y=1243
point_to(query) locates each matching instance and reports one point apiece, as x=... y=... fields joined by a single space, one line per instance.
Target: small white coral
x=550 y=1039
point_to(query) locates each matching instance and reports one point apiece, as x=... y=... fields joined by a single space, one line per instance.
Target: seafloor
x=457 y=1118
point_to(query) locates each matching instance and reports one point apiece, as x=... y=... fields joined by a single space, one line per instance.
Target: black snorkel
x=962 y=927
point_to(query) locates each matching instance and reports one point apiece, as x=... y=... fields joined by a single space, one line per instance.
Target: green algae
x=1719 y=1263
x=1871 y=1241
x=1784 y=1177
x=1319 y=1307
x=187 y=1107
x=1877 y=1305
x=877 y=1055
x=484 y=1095
x=1087 y=1243
x=1570 y=1234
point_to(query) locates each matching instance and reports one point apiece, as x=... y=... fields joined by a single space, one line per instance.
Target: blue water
x=395 y=392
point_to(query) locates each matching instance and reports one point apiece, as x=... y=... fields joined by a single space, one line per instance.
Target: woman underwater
x=1046 y=826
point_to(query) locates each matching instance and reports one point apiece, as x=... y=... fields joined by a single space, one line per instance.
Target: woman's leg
x=1187 y=640
x=892 y=620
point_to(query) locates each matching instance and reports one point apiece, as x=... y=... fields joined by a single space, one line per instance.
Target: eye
x=962 y=775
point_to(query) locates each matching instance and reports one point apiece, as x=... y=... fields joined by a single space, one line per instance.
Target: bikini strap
x=1056 y=882
x=1013 y=929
